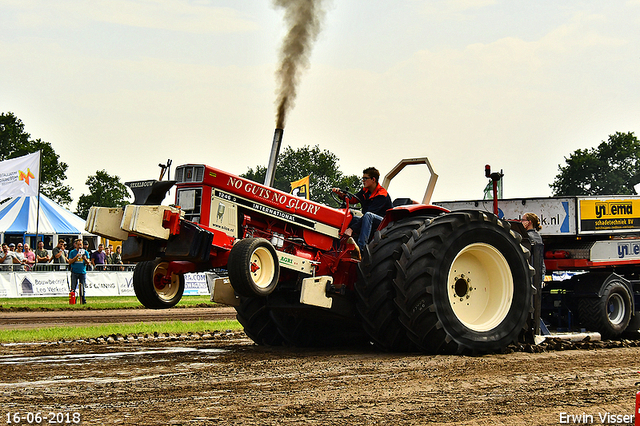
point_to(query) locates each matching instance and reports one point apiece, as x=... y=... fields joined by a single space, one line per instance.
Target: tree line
x=611 y=168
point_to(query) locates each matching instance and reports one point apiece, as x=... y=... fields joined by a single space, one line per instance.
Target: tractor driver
x=375 y=202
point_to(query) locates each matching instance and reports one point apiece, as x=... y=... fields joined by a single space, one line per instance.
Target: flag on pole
x=300 y=188
x=488 y=190
x=20 y=176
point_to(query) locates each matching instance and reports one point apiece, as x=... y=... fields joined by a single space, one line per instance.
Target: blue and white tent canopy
x=19 y=215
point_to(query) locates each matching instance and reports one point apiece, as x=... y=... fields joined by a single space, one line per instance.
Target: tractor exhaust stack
x=273 y=158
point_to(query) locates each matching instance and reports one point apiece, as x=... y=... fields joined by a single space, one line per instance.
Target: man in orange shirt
x=375 y=201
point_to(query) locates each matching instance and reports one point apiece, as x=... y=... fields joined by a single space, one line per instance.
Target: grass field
x=54 y=334
x=104 y=302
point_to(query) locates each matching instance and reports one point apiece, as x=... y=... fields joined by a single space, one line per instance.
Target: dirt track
x=31 y=319
x=225 y=379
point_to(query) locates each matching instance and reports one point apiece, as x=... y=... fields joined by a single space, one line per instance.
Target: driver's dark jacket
x=377 y=202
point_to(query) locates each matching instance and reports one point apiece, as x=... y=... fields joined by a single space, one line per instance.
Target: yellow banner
x=300 y=188
x=609 y=209
x=609 y=214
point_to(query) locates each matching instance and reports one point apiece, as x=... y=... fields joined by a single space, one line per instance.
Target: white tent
x=18 y=217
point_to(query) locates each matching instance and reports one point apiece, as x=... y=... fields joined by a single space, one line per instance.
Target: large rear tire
x=153 y=289
x=608 y=314
x=464 y=284
x=375 y=289
x=254 y=315
x=253 y=267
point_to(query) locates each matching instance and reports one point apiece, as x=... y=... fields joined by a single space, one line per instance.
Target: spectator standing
x=29 y=257
x=19 y=253
x=531 y=223
x=42 y=255
x=85 y=246
x=108 y=251
x=99 y=257
x=78 y=262
x=58 y=255
x=7 y=258
x=116 y=257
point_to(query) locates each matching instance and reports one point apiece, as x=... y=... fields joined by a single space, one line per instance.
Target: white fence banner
x=102 y=284
x=195 y=284
x=39 y=284
x=125 y=284
x=99 y=283
x=7 y=285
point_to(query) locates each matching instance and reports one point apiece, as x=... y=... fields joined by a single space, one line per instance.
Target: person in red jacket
x=375 y=201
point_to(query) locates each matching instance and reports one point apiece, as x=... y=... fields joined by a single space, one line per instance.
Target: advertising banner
x=7 y=285
x=609 y=215
x=195 y=284
x=99 y=283
x=125 y=284
x=557 y=215
x=40 y=284
x=102 y=284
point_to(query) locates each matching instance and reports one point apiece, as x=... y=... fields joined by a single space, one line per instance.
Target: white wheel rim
x=480 y=287
x=165 y=290
x=262 y=267
x=615 y=308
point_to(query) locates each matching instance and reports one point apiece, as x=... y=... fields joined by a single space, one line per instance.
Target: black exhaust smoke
x=273 y=158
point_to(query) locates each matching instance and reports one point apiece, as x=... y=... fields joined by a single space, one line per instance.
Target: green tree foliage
x=15 y=142
x=105 y=191
x=322 y=166
x=613 y=168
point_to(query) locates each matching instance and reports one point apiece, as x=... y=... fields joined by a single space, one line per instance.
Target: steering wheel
x=342 y=203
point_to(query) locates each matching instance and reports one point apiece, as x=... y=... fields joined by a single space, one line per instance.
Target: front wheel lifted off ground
x=153 y=288
x=253 y=267
x=464 y=284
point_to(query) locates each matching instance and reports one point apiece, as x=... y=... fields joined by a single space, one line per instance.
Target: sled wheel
x=253 y=314
x=464 y=284
x=153 y=288
x=375 y=290
x=253 y=267
x=608 y=314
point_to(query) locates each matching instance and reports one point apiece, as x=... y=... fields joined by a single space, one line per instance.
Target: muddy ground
x=224 y=379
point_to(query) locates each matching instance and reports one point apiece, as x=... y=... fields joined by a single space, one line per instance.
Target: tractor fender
x=397 y=213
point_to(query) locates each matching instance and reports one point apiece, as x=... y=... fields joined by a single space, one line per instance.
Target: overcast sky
x=123 y=85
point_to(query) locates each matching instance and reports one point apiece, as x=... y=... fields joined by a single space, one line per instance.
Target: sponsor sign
x=608 y=215
x=102 y=284
x=56 y=284
x=125 y=284
x=195 y=284
x=41 y=284
x=7 y=285
x=557 y=215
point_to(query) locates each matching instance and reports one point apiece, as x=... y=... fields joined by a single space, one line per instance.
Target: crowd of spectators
x=20 y=257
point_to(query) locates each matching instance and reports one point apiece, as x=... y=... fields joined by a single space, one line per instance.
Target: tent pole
x=38 y=211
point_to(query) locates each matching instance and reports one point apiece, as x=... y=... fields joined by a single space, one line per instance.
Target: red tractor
x=429 y=279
